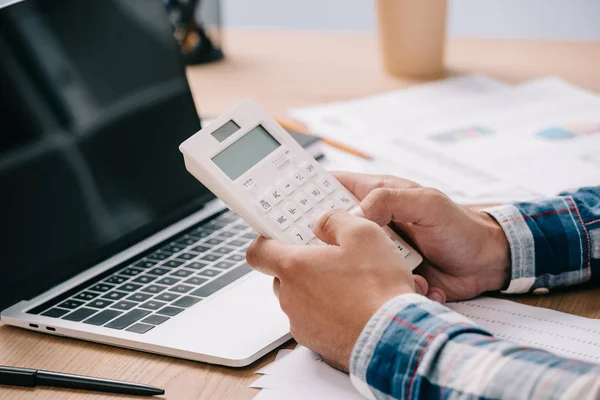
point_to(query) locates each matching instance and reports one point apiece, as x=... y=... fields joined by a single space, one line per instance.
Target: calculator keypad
x=295 y=204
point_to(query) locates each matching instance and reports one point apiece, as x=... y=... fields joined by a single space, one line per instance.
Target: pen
x=296 y=126
x=36 y=377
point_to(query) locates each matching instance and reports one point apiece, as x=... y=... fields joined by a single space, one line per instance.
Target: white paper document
x=476 y=139
x=301 y=374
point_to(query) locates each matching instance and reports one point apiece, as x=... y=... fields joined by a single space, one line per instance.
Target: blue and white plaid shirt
x=413 y=348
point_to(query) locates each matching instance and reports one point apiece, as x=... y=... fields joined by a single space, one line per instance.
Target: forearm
x=555 y=242
x=416 y=348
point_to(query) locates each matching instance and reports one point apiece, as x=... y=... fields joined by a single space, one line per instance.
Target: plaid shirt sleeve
x=555 y=242
x=413 y=348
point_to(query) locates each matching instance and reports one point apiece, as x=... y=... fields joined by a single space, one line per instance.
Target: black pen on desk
x=27 y=377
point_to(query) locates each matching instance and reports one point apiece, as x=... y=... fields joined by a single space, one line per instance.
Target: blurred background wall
x=520 y=19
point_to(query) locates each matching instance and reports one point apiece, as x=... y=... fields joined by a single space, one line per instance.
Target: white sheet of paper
x=486 y=145
x=302 y=374
x=560 y=333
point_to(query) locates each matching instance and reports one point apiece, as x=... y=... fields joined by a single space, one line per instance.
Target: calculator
x=259 y=171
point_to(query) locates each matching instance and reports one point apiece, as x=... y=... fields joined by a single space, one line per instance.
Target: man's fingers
x=362 y=184
x=421 y=206
x=421 y=285
x=265 y=255
x=338 y=227
x=276 y=285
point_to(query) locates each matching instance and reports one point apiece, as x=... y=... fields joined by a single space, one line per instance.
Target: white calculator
x=259 y=171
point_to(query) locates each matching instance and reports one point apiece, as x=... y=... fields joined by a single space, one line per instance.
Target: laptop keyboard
x=166 y=282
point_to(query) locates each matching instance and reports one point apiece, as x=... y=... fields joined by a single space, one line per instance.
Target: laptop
x=102 y=239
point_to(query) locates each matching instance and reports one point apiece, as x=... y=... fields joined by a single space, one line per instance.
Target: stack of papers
x=301 y=374
x=479 y=140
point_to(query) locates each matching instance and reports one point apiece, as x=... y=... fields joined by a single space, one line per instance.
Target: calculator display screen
x=245 y=152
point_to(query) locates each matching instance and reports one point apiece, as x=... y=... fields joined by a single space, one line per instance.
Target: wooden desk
x=283 y=69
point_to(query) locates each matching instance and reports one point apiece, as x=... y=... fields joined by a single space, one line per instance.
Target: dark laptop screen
x=93 y=105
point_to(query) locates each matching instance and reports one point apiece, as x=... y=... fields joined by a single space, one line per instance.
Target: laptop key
x=227 y=234
x=155 y=319
x=224 y=250
x=170 y=311
x=99 y=303
x=114 y=295
x=153 y=305
x=211 y=257
x=144 y=279
x=101 y=287
x=127 y=319
x=139 y=328
x=129 y=287
x=183 y=273
x=139 y=297
x=172 y=263
x=115 y=279
x=214 y=241
x=186 y=241
x=102 y=317
x=237 y=257
x=80 y=314
x=187 y=301
x=168 y=281
x=159 y=256
x=238 y=242
x=222 y=281
x=213 y=226
x=70 y=304
x=195 y=281
x=154 y=289
x=186 y=256
x=173 y=248
x=200 y=249
x=209 y=272
x=250 y=235
x=124 y=305
x=86 y=296
x=131 y=271
x=144 y=264
x=199 y=234
x=196 y=265
x=166 y=296
x=55 y=313
x=181 y=288
x=159 y=271
x=224 y=265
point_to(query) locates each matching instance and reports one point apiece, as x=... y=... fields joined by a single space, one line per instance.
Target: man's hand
x=330 y=292
x=467 y=252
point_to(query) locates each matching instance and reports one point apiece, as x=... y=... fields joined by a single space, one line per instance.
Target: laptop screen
x=94 y=103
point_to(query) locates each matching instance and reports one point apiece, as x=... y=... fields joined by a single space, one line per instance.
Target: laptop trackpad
x=236 y=323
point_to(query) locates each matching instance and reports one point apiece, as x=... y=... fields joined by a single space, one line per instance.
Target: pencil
x=295 y=126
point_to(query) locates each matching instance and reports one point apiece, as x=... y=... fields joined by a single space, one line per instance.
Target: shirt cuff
x=403 y=327
x=522 y=247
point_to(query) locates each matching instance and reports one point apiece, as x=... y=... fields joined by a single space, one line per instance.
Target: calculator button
x=303 y=201
x=306 y=227
x=292 y=211
x=328 y=205
x=309 y=168
x=282 y=221
x=315 y=193
x=299 y=178
x=317 y=242
x=275 y=195
x=326 y=183
x=343 y=200
x=298 y=235
x=264 y=205
x=287 y=186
